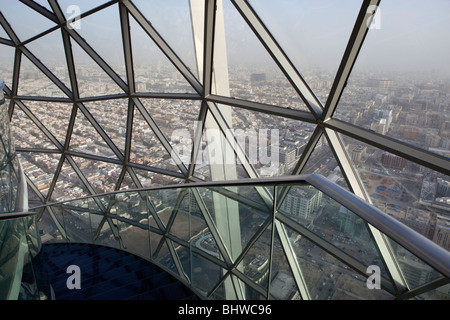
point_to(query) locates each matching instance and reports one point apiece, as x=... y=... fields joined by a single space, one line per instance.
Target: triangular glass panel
x=332 y=222
x=416 y=272
x=52 y=225
x=164 y=257
x=441 y=293
x=215 y=158
x=103 y=32
x=327 y=278
x=391 y=91
x=44 y=3
x=33 y=199
x=54 y=116
x=35 y=83
x=405 y=190
x=127 y=182
x=238 y=213
x=206 y=275
x=198 y=222
x=184 y=256
x=101 y=175
x=253 y=74
x=313 y=36
x=92 y=80
x=272 y=144
x=178 y=120
x=202 y=169
x=40 y=168
x=251 y=293
x=7 y=64
x=132 y=223
x=220 y=292
x=201 y=236
x=146 y=148
x=82 y=218
x=179 y=223
x=155 y=243
x=165 y=202
x=69 y=185
x=228 y=288
x=153 y=71
x=152 y=179
x=256 y=262
x=172 y=21
x=16 y=13
x=112 y=116
x=323 y=162
x=71 y=11
x=86 y=139
x=282 y=282
x=106 y=235
x=22 y=126
x=3 y=33
x=95 y=219
x=49 y=49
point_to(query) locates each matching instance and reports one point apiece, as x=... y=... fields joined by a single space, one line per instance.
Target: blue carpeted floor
x=106 y=274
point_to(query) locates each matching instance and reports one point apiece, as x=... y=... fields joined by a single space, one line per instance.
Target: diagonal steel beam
x=237 y=148
x=281 y=59
x=43 y=68
x=129 y=131
x=354 y=45
x=208 y=45
x=127 y=47
x=292 y=260
x=39 y=124
x=356 y=186
x=43 y=99
x=418 y=155
x=86 y=47
x=7 y=42
x=9 y=30
x=263 y=108
x=51 y=188
x=100 y=131
x=41 y=9
x=162 y=44
x=223 y=250
x=70 y=64
x=198 y=132
x=98 y=59
x=160 y=135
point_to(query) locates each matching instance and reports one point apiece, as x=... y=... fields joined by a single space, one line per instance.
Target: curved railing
x=299 y=237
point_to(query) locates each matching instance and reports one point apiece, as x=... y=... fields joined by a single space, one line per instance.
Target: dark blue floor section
x=106 y=274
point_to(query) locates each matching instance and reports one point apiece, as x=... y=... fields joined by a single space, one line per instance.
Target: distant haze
x=412 y=35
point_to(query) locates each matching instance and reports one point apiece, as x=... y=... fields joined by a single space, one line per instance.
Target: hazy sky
x=411 y=34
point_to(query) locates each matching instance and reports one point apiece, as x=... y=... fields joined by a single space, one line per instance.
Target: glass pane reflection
x=207 y=233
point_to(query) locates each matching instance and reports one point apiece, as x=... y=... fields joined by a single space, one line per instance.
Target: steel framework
x=213 y=111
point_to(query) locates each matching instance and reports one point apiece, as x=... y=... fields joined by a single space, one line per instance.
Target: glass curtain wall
x=118 y=95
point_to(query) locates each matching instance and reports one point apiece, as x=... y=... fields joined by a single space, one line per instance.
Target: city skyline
x=373 y=161
x=116 y=102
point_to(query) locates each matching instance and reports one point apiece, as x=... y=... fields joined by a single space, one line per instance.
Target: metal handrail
x=13 y=215
x=425 y=249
